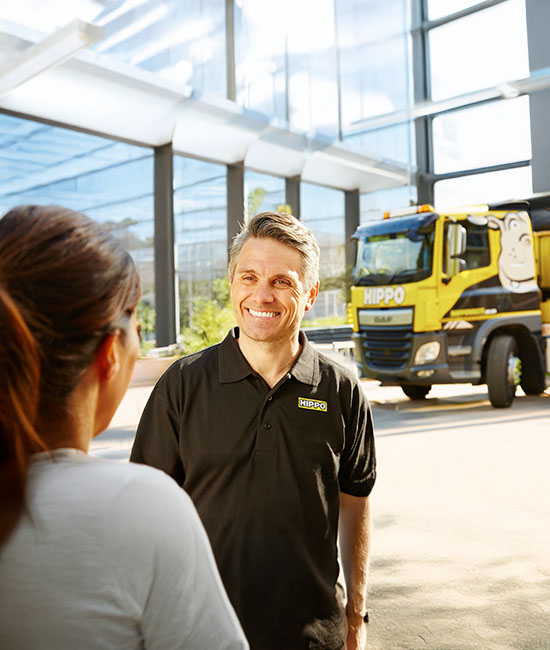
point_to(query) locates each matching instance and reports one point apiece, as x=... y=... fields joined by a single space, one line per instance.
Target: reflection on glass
x=441 y=8
x=322 y=211
x=263 y=193
x=374 y=204
x=481 y=136
x=394 y=144
x=181 y=40
x=200 y=222
x=480 y=50
x=111 y=182
x=484 y=188
x=286 y=62
x=374 y=58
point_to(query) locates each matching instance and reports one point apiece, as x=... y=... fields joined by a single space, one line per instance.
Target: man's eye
x=280 y=281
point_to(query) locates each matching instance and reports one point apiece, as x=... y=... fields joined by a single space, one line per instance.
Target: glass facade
x=374 y=204
x=284 y=68
x=490 y=134
x=484 y=188
x=263 y=193
x=179 y=40
x=374 y=58
x=322 y=211
x=200 y=225
x=111 y=182
x=493 y=50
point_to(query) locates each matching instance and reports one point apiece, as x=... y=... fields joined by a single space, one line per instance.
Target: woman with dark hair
x=94 y=554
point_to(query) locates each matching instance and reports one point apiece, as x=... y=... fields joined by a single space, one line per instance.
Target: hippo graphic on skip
x=516 y=263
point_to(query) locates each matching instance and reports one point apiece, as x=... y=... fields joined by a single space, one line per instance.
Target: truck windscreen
x=393 y=257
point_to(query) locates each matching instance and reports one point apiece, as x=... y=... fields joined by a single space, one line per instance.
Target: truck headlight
x=427 y=352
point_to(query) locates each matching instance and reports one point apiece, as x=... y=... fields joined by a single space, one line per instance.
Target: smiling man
x=274 y=444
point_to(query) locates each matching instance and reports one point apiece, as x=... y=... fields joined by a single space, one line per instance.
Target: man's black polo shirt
x=264 y=468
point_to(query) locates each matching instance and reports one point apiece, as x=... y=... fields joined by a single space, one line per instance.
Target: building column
x=230 y=49
x=424 y=179
x=292 y=194
x=235 y=201
x=165 y=272
x=538 y=19
x=352 y=219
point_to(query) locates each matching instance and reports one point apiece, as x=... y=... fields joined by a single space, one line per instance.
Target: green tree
x=210 y=320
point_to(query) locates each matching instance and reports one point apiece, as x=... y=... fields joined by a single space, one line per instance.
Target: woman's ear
x=107 y=357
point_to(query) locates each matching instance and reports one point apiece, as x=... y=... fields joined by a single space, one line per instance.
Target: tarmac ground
x=461 y=540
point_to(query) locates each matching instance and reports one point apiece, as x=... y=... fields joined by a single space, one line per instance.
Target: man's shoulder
x=202 y=360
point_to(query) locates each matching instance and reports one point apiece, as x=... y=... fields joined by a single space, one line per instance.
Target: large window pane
x=322 y=211
x=200 y=220
x=394 y=144
x=480 y=50
x=484 y=188
x=286 y=61
x=491 y=134
x=374 y=204
x=110 y=182
x=374 y=57
x=263 y=193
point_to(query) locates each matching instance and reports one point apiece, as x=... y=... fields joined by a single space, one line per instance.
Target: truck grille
x=387 y=347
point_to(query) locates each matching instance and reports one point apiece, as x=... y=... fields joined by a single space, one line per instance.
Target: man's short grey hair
x=285 y=229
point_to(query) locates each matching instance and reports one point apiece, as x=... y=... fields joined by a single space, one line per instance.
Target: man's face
x=268 y=292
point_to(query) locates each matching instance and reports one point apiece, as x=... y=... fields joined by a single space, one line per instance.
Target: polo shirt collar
x=306 y=366
x=234 y=367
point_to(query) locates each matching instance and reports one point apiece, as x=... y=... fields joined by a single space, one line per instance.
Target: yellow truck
x=456 y=297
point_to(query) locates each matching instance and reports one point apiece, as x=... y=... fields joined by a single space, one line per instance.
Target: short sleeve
x=357 y=473
x=157 y=438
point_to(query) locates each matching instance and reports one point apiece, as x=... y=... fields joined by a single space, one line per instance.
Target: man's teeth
x=262 y=314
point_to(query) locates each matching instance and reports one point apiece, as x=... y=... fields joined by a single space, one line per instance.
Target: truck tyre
x=533 y=381
x=415 y=391
x=503 y=370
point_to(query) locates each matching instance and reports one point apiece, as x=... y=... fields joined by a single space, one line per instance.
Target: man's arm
x=355 y=535
x=157 y=437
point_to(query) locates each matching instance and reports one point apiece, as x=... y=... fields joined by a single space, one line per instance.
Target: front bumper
x=388 y=353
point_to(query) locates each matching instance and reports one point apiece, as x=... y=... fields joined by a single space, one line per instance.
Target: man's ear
x=313 y=293
x=107 y=357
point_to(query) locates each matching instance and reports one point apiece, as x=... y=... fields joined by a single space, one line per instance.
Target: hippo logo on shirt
x=312 y=404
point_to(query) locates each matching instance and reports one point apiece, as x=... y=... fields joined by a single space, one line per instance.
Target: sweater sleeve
x=167 y=574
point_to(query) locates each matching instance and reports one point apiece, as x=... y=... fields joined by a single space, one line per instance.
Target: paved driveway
x=461 y=550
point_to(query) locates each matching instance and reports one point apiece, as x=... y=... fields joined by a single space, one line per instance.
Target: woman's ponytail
x=19 y=395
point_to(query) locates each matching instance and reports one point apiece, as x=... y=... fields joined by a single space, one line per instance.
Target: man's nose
x=264 y=292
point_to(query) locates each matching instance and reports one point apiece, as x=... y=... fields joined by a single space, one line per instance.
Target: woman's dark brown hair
x=64 y=285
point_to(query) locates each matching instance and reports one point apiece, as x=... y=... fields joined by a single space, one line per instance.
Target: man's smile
x=262 y=314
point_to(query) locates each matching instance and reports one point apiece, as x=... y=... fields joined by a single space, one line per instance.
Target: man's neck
x=270 y=359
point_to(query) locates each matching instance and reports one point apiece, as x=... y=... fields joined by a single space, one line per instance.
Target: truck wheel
x=503 y=370
x=415 y=391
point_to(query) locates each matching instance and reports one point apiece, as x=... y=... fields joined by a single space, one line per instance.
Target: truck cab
x=455 y=297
